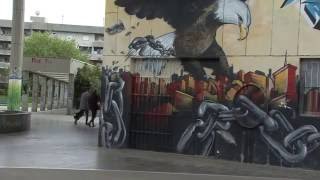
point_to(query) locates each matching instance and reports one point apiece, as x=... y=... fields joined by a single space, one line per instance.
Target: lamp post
x=15 y=77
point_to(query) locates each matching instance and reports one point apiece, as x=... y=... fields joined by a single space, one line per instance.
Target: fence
x=43 y=92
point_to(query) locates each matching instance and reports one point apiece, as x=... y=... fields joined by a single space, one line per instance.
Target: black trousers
x=81 y=113
x=94 y=114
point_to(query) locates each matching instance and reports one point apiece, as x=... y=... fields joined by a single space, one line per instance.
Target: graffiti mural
x=195 y=34
x=293 y=148
x=185 y=92
x=220 y=103
x=144 y=44
x=310 y=8
x=116 y=28
x=112 y=129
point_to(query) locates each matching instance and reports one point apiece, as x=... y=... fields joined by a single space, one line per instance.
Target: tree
x=46 y=45
x=4 y=73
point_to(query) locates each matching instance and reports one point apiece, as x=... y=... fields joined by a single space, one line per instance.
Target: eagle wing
x=177 y=13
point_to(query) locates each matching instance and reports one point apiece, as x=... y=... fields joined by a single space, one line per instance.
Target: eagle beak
x=244 y=32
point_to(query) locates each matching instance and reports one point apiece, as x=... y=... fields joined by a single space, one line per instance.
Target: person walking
x=84 y=108
x=94 y=106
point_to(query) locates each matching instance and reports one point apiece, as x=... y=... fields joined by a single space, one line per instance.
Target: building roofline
x=57 y=27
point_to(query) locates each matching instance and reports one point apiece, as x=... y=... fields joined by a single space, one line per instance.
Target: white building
x=88 y=38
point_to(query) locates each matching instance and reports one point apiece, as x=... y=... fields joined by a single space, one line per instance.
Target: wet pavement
x=54 y=174
x=54 y=142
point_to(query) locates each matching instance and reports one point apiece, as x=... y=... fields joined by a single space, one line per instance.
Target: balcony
x=96 y=57
x=99 y=44
x=4 y=65
x=6 y=52
x=5 y=38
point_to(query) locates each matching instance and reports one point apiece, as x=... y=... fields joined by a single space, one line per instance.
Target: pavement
x=54 y=174
x=56 y=148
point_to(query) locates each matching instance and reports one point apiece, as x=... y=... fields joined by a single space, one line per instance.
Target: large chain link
x=112 y=107
x=142 y=43
x=217 y=118
x=296 y=144
x=214 y=118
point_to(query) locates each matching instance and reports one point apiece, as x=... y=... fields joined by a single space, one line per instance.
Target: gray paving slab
x=55 y=142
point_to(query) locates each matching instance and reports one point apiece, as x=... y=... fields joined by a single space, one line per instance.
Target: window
x=5 y=46
x=6 y=31
x=27 y=32
x=4 y=58
x=98 y=50
x=310 y=87
x=85 y=38
x=85 y=49
x=98 y=37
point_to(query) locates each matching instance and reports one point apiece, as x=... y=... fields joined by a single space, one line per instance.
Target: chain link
x=215 y=117
x=296 y=144
x=115 y=134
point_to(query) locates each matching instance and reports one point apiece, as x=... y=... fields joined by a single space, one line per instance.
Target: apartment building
x=88 y=38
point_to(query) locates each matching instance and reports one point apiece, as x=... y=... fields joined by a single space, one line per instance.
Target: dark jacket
x=93 y=101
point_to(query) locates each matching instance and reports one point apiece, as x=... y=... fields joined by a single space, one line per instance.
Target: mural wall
x=233 y=79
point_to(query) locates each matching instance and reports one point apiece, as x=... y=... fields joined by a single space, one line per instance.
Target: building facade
x=88 y=38
x=234 y=79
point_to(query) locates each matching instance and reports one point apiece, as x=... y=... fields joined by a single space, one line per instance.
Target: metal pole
x=15 y=78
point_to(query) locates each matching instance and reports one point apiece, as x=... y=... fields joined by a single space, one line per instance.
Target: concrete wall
x=52 y=65
x=274 y=30
x=46 y=65
x=266 y=81
x=116 y=46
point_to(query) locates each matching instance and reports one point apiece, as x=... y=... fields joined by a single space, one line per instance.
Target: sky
x=77 y=12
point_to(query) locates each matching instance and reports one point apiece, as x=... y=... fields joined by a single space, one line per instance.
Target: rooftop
x=56 y=27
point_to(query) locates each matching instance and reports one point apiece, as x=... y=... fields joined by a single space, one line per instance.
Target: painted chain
x=142 y=43
x=216 y=118
x=296 y=144
x=115 y=135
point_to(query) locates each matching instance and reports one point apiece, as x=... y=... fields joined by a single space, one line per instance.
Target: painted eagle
x=196 y=23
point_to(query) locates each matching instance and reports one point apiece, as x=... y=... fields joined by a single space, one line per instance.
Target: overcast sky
x=79 y=12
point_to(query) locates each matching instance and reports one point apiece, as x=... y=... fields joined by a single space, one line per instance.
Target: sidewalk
x=54 y=174
x=54 y=142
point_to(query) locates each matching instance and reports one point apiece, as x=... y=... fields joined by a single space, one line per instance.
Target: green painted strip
x=14 y=94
